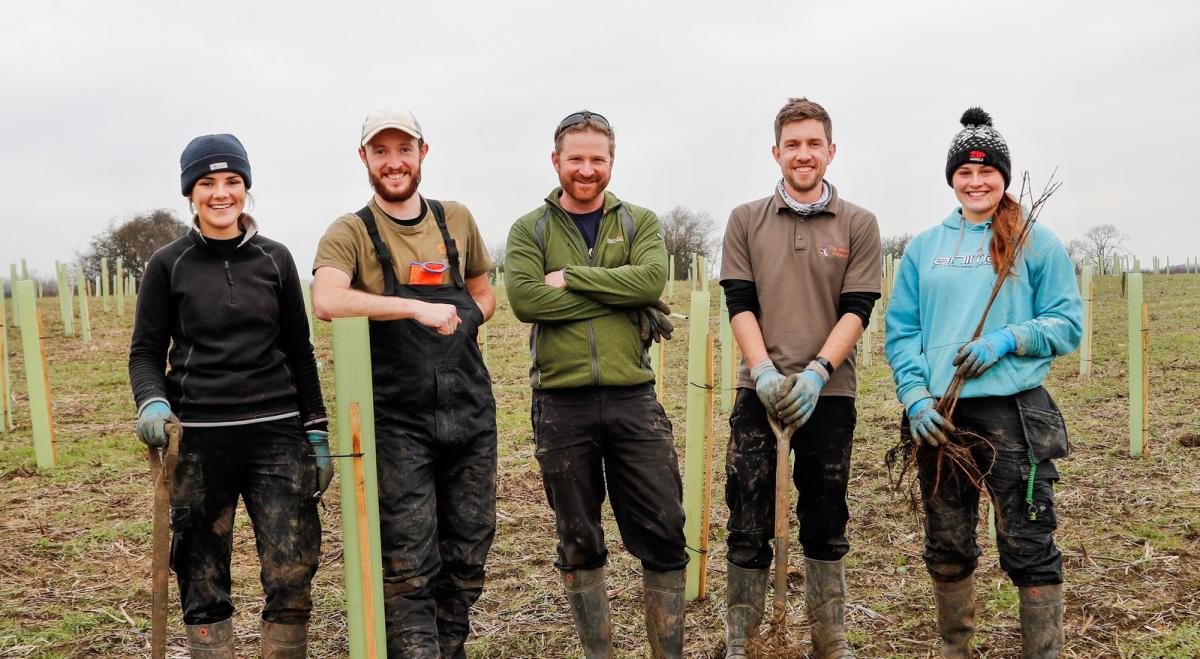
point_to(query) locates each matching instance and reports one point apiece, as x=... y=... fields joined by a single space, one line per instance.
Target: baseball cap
x=385 y=118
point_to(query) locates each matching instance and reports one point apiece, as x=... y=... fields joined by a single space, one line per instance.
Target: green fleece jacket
x=582 y=336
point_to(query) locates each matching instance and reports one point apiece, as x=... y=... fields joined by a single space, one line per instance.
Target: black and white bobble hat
x=978 y=142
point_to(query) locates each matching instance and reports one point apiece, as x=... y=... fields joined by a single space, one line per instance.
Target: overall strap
x=381 y=250
x=439 y=214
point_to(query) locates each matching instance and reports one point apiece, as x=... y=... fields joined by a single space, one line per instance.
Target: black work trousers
x=589 y=434
x=270 y=465
x=821 y=471
x=993 y=427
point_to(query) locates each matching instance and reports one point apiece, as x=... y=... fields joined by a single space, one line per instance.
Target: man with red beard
x=586 y=269
x=418 y=269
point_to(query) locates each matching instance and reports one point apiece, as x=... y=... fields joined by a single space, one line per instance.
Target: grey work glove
x=152 y=424
x=769 y=384
x=319 y=440
x=927 y=425
x=653 y=323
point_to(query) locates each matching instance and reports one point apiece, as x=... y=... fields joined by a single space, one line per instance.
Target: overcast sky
x=101 y=97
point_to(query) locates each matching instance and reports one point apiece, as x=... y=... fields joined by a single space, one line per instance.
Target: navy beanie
x=978 y=142
x=212 y=153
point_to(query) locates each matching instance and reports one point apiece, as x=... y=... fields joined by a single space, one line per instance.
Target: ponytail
x=1006 y=226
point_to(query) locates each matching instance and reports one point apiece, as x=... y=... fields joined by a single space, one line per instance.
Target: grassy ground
x=75 y=577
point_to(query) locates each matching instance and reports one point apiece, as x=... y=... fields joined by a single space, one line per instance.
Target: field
x=75 y=577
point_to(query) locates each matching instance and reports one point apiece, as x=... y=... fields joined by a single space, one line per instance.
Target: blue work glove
x=768 y=383
x=152 y=424
x=927 y=425
x=976 y=357
x=797 y=404
x=319 y=439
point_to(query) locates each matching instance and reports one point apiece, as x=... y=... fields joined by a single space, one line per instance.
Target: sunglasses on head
x=578 y=118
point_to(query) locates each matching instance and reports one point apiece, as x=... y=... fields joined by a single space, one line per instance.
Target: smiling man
x=418 y=269
x=801 y=272
x=580 y=268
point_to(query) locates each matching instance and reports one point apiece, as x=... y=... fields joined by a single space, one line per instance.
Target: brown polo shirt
x=801 y=266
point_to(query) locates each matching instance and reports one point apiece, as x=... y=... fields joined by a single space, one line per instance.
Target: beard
x=395 y=197
x=575 y=189
x=796 y=184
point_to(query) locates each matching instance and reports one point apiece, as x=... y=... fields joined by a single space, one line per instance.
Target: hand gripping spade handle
x=162 y=468
x=783 y=446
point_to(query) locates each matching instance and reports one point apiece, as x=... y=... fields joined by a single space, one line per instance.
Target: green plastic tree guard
x=85 y=318
x=698 y=449
x=1137 y=365
x=1087 y=290
x=24 y=270
x=64 y=299
x=728 y=356
x=360 y=488
x=118 y=286
x=36 y=376
x=670 y=275
x=657 y=361
x=102 y=284
x=12 y=291
x=306 y=289
x=5 y=378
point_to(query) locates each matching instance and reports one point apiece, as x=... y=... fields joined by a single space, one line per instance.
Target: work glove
x=319 y=439
x=152 y=424
x=927 y=425
x=768 y=384
x=653 y=322
x=976 y=357
x=802 y=390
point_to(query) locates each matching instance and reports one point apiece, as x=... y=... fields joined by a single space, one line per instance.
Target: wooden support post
x=37 y=380
x=118 y=286
x=306 y=290
x=360 y=489
x=1137 y=366
x=5 y=377
x=102 y=283
x=697 y=464
x=85 y=318
x=64 y=299
x=706 y=520
x=728 y=358
x=1087 y=289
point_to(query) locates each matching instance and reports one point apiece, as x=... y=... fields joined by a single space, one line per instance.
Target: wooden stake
x=706 y=521
x=694 y=457
x=360 y=489
x=36 y=375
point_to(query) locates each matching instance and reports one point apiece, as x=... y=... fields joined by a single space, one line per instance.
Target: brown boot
x=664 y=612
x=588 y=597
x=825 y=597
x=284 y=641
x=745 y=595
x=955 y=615
x=211 y=641
x=1041 y=621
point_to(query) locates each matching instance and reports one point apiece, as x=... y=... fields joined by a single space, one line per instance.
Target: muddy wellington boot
x=745 y=595
x=825 y=597
x=588 y=597
x=284 y=641
x=1041 y=621
x=211 y=641
x=955 y=615
x=663 y=596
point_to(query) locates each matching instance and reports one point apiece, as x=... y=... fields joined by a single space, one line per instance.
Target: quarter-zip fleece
x=941 y=289
x=231 y=327
x=582 y=336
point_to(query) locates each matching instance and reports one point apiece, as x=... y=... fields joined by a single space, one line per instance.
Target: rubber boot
x=825 y=597
x=1041 y=621
x=284 y=641
x=211 y=641
x=664 y=612
x=588 y=596
x=745 y=594
x=955 y=615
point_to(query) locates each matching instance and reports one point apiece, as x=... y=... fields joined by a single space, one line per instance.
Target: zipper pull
x=228 y=274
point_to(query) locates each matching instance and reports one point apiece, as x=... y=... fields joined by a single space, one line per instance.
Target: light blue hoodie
x=941 y=288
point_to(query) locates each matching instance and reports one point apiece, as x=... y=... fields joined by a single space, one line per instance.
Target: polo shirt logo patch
x=829 y=249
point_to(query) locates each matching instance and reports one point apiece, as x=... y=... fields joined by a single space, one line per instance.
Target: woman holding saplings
x=1005 y=429
x=223 y=307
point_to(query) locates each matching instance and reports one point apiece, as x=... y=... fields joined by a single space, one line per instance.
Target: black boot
x=588 y=596
x=211 y=641
x=825 y=597
x=284 y=641
x=955 y=615
x=1041 y=621
x=664 y=612
x=745 y=596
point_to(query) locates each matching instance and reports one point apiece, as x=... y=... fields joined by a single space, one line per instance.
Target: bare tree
x=687 y=233
x=134 y=240
x=498 y=251
x=1078 y=251
x=894 y=246
x=1101 y=243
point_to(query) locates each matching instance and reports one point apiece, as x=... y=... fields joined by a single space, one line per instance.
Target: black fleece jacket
x=236 y=330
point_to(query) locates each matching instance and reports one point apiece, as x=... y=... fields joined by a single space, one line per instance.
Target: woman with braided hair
x=1005 y=420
